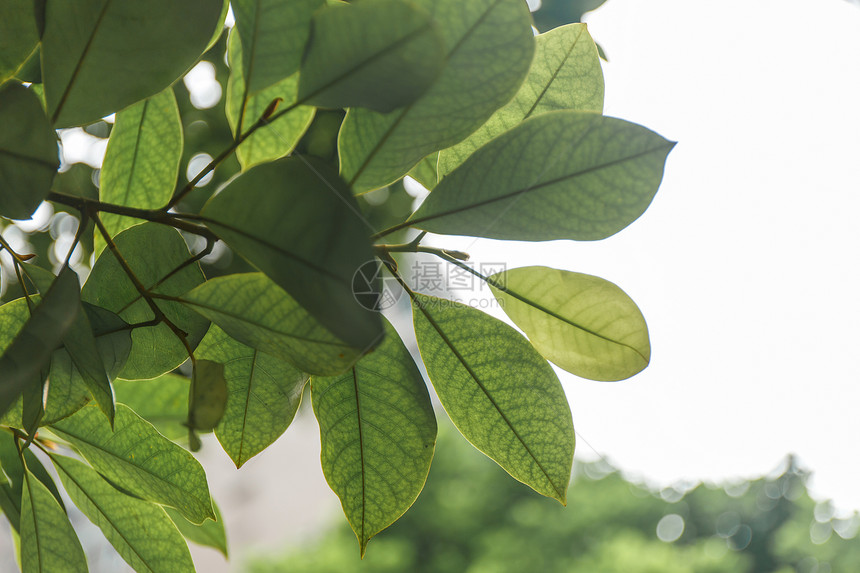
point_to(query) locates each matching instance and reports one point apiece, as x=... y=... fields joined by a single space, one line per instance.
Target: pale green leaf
x=488 y=48
x=278 y=137
x=378 y=433
x=18 y=36
x=499 y=392
x=425 y=171
x=48 y=542
x=209 y=533
x=565 y=74
x=142 y=160
x=28 y=152
x=153 y=252
x=378 y=54
x=163 y=402
x=582 y=323
x=139 y=459
x=274 y=34
x=255 y=311
x=560 y=175
x=264 y=395
x=158 y=40
x=296 y=221
x=140 y=531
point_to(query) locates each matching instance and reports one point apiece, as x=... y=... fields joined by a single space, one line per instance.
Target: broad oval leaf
x=378 y=433
x=499 y=392
x=255 y=311
x=565 y=74
x=264 y=395
x=142 y=160
x=560 y=175
x=296 y=221
x=378 y=54
x=48 y=542
x=274 y=34
x=139 y=530
x=154 y=252
x=488 y=48
x=163 y=402
x=158 y=41
x=582 y=323
x=139 y=459
x=28 y=152
x=18 y=37
x=209 y=533
x=278 y=137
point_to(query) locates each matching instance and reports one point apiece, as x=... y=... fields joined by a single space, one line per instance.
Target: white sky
x=746 y=264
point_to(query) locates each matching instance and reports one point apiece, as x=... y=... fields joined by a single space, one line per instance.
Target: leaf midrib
x=554 y=75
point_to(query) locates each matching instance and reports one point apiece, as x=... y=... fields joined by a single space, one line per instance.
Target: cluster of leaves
x=503 y=126
x=471 y=518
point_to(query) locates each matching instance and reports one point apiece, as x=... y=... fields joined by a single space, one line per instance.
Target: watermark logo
x=364 y=283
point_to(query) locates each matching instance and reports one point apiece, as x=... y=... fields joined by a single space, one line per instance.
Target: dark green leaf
x=582 y=323
x=18 y=36
x=258 y=313
x=208 y=396
x=565 y=74
x=378 y=54
x=28 y=152
x=296 y=221
x=274 y=34
x=209 y=533
x=142 y=159
x=158 y=41
x=378 y=433
x=140 y=531
x=560 y=175
x=163 y=402
x=153 y=252
x=554 y=13
x=139 y=459
x=265 y=393
x=277 y=138
x=11 y=479
x=500 y=393
x=10 y=504
x=48 y=542
x=488 y=48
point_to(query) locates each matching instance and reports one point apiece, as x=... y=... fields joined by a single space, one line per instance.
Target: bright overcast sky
x=746 y=263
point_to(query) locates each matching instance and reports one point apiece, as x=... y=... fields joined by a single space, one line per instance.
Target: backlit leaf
x=208 y=395
x=209 y=533
x=163 y=402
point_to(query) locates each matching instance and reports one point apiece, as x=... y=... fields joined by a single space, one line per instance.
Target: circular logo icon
x=373 y=289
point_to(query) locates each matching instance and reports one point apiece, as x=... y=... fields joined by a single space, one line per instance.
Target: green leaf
x=158 y=41
x=565 y=74
x=11 y=480
x=139 y=459
x=163 y=402
x=425 y=171
x=275 y=139
x=488 y=48
x=140 y=531
x=554 y=13
x=296 y=221
x=499 y=392
x=27 y=358
x=28 y=152
x=378 y=54
x=378 y=433
x=10 y=504
x=560 y=175
x=264 y=395
x=48 y=542
x=18 y=36
x=142 y=160
x=209 y=533
x=208 y=396
x=153 y=252
x=255 y=311
x=274 y=34
x=38 y=470
x=582 y=323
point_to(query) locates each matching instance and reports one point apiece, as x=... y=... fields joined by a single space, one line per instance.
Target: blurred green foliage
x=473 y=518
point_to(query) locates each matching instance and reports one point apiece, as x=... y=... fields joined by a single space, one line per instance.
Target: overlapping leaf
x=139 y=459
x=140 y=531
x=158 y=41
x=264 y=395
x=28 y=152
x=582 y=323
x=163 y=402
x=560 y=175
x=488 y=48
x=565 y=74
x=296 y=221
x=378 y=433
x=18 y=36
x=499 y=392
